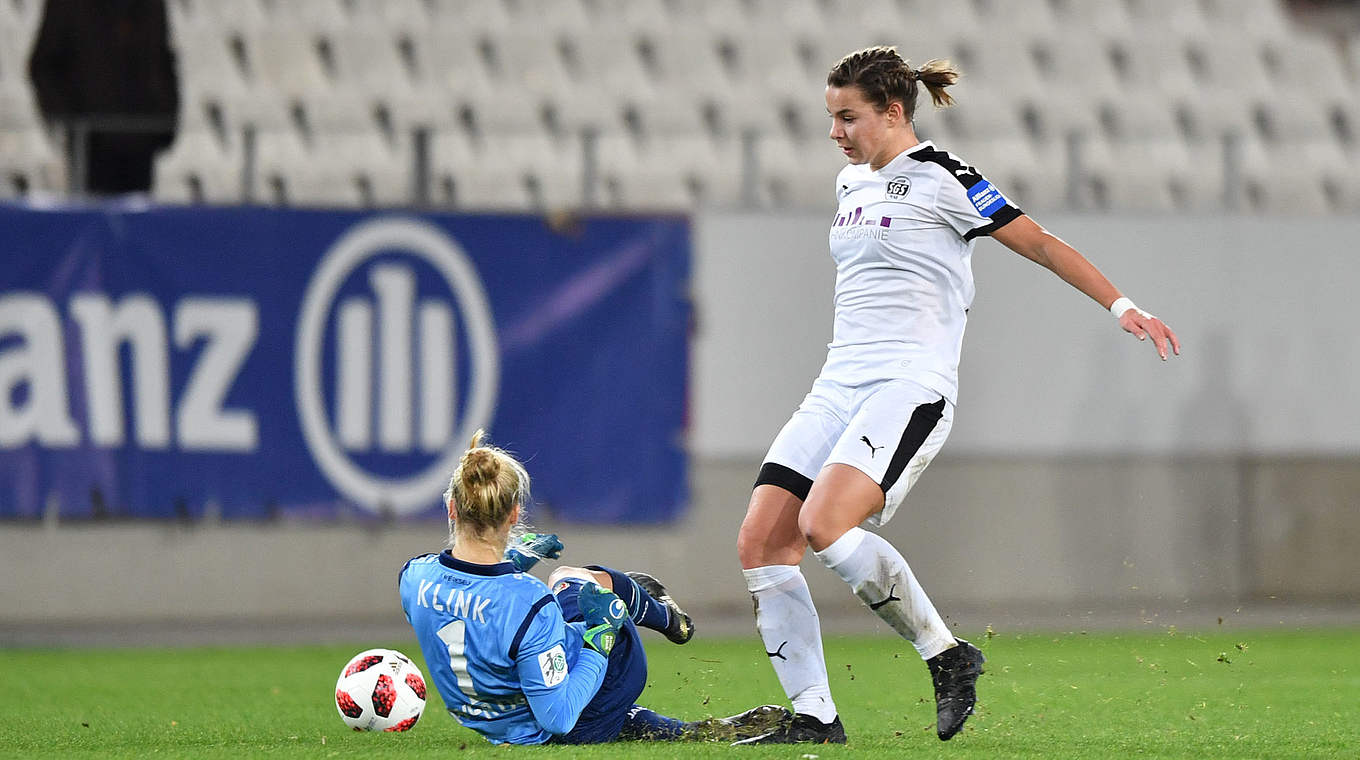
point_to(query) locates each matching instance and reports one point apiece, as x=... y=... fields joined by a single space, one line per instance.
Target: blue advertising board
x=160 y=362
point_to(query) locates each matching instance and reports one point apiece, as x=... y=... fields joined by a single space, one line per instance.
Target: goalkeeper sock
x=642 y=608
x=646 y=725
x=881 y=579
x=788 y=625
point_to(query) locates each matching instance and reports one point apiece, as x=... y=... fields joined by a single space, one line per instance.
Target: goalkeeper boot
x=803 y=729
x=734 y=728
x=955 y=672
x=680 y=628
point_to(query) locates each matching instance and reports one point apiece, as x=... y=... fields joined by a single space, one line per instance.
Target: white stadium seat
x=1140 y=84
x=200 y=167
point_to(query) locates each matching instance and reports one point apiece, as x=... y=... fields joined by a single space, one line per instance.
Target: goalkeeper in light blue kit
x=521 y=665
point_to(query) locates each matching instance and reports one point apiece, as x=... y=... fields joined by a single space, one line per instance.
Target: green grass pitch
x=1165 y=694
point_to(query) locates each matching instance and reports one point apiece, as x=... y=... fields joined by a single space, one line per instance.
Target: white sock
x=788 y=625
x=877 y=573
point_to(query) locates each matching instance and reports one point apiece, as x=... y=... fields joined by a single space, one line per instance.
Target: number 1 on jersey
x=452 y=636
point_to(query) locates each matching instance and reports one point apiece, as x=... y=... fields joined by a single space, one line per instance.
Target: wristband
x=1122 y=304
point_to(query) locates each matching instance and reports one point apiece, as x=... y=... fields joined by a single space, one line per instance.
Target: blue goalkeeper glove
x=604 y=613
x=525 y=551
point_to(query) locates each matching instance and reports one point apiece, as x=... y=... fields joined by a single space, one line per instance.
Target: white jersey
x=903 y=242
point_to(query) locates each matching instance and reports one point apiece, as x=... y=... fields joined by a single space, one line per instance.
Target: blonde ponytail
x=485 y=489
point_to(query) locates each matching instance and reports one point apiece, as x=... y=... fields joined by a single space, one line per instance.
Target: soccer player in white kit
x=881 y=408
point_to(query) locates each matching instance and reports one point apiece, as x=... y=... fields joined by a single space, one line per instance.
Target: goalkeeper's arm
x=557 y=709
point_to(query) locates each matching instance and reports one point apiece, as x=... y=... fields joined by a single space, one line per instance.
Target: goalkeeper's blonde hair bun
x=486 y=487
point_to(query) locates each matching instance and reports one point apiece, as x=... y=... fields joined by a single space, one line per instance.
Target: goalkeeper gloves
x=525 y=552
x=604 y=613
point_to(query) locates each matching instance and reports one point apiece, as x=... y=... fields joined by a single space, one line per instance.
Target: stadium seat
x=1142 y=83
x=510 y=171
x=310 y=17
x=1173 y=19
x=1149 y=173
x=981 y=112
x=662 y=114
x=449 y=65
x=214 y=15
x=1005 y=63
x=288 y=62
x=780 y=65
x=709 y=166
x=1353 y=56
x=208 y=70
x=1019 y=19
x=709 y=16
x=1306 y=64
x=689 y=67
x=608 y=75
x=200 y=167
x=398 y=17
x=1124 y=119
x=1159 y=67
x=22 y=18
x=633 y=16
x=797 y=173
x=569 y=16
x=1074 y=17
x=798 y=17
x=1294 y=186
x=1257 y=20
x=30 y=161
x=668 y=172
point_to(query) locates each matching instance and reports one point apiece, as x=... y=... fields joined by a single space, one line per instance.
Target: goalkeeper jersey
x=497 y=648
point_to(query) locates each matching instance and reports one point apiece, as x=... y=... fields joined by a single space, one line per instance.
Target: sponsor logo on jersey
x=855 y=225
x=898 y=187
x=985 y=198
x=553 y=665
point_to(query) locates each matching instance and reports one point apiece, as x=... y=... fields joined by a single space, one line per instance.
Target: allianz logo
x=394 y=365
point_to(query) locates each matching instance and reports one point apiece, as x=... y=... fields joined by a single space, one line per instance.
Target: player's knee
x=563 y=572
x=759 y=549
x=749 y=547
x=818 y=531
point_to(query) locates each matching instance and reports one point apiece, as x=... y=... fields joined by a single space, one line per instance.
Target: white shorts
x=889 y=430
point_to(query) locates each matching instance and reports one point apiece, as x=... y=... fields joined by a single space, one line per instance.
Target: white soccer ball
x=380 y=690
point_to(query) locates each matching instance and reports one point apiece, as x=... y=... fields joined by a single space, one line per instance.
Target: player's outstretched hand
x=1142 y=324
x=604 y=613
x=525 y=551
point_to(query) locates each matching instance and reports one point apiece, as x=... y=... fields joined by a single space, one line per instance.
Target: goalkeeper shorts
x=624 y=677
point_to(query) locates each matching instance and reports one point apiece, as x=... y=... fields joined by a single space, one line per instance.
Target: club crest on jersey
x=898 y=187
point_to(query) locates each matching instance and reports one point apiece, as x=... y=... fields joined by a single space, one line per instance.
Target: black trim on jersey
x=933 y=155
x=402 y=571
x=796 y=483
x=447 y=559
x=524 y=626
x=922 y=421
x=1000 y=218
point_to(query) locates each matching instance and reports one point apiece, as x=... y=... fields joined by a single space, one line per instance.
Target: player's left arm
x=1024 y=236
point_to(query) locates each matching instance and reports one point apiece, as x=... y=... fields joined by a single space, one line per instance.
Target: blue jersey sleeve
x=556 y=688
